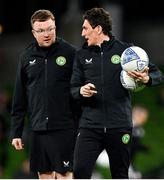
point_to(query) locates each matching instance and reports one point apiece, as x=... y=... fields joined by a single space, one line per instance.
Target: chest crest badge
x=115 y=59
x=61 y=60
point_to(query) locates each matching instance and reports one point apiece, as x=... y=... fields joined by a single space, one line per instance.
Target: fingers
x=88 y=90
x=17 y=143
x=134 y=74
x=140 y=76
x=138 y=73
x=146 y=69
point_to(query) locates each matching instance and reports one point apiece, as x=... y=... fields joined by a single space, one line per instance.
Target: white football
x=129 y=83
x=134 y=58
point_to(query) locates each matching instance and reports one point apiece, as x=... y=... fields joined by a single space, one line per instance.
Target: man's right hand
x=88 y=90
x=17 y=143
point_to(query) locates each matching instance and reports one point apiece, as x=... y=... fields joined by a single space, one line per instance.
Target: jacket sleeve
x=77 y=79
x=19 y=104
x=156 y=76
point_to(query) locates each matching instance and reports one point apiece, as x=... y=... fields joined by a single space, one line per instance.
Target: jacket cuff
x=16 y=134
x=149 y=82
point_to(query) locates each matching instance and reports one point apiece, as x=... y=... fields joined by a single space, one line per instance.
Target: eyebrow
x=49 y=27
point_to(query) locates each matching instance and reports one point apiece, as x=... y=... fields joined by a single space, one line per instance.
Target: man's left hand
x=140 y=76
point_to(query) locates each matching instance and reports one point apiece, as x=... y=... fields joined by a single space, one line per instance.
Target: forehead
x=86 y=24
x=44 y=24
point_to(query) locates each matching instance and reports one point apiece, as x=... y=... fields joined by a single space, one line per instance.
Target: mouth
x=46 y=40
x=86 y=39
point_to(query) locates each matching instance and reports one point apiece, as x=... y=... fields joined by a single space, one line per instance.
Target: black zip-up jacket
x=43 y=88
x=111 y=106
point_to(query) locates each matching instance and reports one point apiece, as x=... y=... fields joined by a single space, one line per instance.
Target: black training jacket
x=111 y=106
x=43 y=88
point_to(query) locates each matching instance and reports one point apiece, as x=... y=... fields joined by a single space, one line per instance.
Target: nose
x=46 y=33
x=83 y=33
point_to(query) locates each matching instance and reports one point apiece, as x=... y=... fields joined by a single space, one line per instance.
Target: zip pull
x=104 y=129
x=45 y=61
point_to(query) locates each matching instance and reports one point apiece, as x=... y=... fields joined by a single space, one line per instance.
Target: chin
x=90 y=44
x=47 y=44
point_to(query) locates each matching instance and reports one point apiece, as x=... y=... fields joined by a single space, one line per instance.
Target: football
x=134 y=58
x=129 y=83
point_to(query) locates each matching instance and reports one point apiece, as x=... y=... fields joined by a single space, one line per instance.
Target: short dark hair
x=99 y=16
x=42 y=15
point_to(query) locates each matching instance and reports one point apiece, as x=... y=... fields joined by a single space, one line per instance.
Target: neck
x=102 y=39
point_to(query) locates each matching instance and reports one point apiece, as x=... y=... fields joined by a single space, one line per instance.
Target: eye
x=51 y=29
x=40 y=30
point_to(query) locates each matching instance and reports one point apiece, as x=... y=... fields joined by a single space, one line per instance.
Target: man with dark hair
x=43 y=90
x=106 y=121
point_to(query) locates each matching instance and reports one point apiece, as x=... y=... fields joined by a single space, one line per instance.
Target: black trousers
x=91 y=142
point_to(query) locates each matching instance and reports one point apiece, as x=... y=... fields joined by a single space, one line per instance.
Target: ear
x=33 y=32
x=99 y=29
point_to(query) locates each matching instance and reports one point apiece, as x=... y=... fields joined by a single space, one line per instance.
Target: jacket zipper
x=46 y=90
x=102 y=81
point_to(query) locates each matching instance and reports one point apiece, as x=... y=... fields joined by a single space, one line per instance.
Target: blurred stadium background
x=140 y=22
